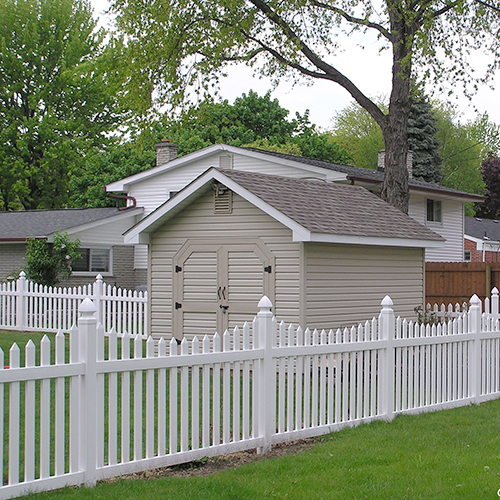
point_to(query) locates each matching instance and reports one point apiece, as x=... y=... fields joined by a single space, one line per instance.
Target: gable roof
x=348 y=173
x=482 y=229
x=17 y=226
x=314 y=210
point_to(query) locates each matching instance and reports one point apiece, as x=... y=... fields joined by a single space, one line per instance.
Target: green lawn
x=452 y=454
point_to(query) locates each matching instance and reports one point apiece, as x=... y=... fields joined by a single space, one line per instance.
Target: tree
x=59 y=98
x=490 y=170
x=252 y=120
x=423 y=141
x=47 y=263
x=174 y=45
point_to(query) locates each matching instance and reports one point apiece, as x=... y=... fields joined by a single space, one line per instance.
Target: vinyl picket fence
x=28 y=306
x=102 y=406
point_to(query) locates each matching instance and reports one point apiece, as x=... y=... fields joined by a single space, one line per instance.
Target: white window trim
x=93 y=273
x=433 y=222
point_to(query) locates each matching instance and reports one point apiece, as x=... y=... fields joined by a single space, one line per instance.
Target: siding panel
x=346 y=283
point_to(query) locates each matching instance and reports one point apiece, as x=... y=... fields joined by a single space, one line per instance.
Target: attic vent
x=223 y=199
x=226 y=161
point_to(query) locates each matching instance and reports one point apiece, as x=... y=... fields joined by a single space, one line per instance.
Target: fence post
x=21 y=320
x=474 y=325
x=494 y=303
x=97 y=288
x=87 y=333
x=387 y=324
x=266 y=411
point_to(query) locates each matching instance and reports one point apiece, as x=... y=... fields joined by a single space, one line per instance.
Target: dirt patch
x=208 y=466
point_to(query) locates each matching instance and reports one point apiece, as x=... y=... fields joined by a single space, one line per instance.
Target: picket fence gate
x=28 y=306
x=105 y=406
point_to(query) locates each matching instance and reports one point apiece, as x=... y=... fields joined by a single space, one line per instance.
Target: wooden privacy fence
x=114 y=405
x=28 y=306
x=456 y=282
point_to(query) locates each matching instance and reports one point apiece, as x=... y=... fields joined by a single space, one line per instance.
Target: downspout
x=123 y=197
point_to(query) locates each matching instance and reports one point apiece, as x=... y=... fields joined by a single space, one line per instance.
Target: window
x=94 y=260
x=434 y=211
x=467 y=255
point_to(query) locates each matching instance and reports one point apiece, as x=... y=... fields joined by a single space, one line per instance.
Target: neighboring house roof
x=17 y=226
x=482 y=229
x=313 y=209
x=348 y=172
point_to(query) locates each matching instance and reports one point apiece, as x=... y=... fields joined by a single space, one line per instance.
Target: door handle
x=224 y=308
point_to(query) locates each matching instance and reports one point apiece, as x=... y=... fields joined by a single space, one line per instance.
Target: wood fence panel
x=452 y=282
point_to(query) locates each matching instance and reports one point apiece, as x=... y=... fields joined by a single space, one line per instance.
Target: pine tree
x=422 y=140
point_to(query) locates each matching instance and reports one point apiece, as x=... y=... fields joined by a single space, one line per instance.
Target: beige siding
x=451 y=228
x=200 y=222
x=345 y=284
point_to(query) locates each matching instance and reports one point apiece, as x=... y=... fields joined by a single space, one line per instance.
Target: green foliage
x=60 y=96
x=358 y=133
x=47 y=263
x=422 y=140
x=251 y=121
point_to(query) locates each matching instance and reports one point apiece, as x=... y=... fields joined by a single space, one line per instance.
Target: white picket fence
x=28 y=306
x=97 y=408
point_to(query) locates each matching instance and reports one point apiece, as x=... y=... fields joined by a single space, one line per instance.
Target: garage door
x=218 y=285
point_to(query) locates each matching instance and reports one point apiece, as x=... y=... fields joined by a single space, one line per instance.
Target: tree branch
x=488 y=5
x=355 y=20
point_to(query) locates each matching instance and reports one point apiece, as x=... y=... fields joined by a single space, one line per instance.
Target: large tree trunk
x=395 y=130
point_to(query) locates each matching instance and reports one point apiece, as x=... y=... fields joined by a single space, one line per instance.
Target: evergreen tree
x=422 y=140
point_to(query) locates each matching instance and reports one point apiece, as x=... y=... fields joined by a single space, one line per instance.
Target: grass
x=452 y=454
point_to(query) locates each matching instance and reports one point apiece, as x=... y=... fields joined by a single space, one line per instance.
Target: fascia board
x=374 y=241
x=101 y=222
x=124 y=184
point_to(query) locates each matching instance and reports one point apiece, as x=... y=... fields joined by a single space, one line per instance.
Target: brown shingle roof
x=329 y=208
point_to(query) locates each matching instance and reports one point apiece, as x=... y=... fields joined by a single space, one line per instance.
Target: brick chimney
x=165 y=152
x=409 y=162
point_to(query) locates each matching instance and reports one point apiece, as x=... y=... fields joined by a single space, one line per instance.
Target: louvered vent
x=223 y=200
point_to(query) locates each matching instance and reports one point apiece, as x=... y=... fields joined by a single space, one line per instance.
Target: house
x=325 y=253
x=100 y=231
x=481 y=240
x=440 y=209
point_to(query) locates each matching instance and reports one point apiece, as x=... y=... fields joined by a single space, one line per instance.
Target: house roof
x=348 y=173
x=17 y=226
x=315 y=210
x=482 y=229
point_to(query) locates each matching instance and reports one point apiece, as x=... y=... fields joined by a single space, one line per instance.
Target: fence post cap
x=22 y=275
x=474 y=300
x=87 y=308
x=98 y=277
x=494 y=291
x=387 y=302
x=265 y=303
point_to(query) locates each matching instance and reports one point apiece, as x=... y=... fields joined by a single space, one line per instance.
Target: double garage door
x=217 y=285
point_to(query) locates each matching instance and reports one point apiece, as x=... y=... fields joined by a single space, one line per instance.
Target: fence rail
x=106 y=406
x=28 y=306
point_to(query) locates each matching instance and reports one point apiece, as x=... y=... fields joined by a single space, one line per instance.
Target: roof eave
x=371 y=240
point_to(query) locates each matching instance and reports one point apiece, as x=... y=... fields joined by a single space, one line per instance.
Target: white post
x=87 y=333
x=494 y=303
x=387 y=325
x=21 y=320
x=474 y=322
x=266 y=400
x=98 y=285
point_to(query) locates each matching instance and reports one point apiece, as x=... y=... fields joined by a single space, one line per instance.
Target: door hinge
x=178 y=269
x=268 y=269
x=178 y=305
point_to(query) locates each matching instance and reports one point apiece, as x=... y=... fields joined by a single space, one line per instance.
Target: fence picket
x=249 y=388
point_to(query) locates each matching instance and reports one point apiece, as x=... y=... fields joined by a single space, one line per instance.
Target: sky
x=367 y=68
